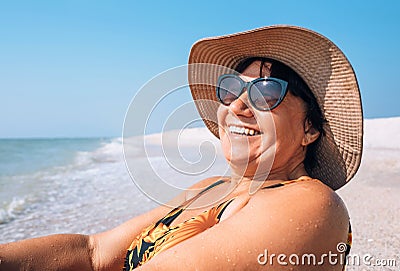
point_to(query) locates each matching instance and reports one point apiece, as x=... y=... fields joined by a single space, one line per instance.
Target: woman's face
x=276 y=147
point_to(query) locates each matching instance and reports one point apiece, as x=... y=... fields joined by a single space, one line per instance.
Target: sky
x=71 y=68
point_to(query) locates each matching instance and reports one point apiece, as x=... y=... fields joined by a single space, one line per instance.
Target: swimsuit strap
x=174 y=213
x=283 y=183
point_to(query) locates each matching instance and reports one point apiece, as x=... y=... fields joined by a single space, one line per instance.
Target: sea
x=74 y=185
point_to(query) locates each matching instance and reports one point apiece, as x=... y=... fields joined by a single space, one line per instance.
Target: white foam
x=11 y=209
x=107 y=153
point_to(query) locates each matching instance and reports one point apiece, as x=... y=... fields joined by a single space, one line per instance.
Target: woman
x=289 y=119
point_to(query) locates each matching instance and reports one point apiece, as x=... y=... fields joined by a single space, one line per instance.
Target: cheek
x=290 y=133
x=266 y=151
x=266 y=122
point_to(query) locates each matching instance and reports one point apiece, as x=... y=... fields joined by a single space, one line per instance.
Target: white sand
x=372 y=197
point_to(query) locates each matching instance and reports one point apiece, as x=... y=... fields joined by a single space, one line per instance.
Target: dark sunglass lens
x=265 y=94
x=229 y=89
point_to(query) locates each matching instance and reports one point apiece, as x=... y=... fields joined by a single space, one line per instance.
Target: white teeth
x=242 y=131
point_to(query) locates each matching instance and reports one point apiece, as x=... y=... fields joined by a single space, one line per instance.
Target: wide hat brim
x=320 y=63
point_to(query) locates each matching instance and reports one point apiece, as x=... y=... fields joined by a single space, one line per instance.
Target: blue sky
x=71 y=68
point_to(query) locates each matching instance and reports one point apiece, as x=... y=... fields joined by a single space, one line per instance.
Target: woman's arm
x=103 y=251
x=66 y=251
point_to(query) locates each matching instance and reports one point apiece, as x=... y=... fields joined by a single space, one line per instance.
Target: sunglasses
x=264 y=94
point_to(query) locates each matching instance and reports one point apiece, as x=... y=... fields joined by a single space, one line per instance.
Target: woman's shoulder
x=306 y=199
x=306 y=215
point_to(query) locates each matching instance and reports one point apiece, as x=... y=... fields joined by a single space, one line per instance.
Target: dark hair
x=299 y=88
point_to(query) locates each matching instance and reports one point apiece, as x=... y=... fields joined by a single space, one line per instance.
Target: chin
x=238 y=161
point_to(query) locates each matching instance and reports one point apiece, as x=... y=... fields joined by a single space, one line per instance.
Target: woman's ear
x=310 y=133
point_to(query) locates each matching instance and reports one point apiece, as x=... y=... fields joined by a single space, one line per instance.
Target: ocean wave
x=12 y=209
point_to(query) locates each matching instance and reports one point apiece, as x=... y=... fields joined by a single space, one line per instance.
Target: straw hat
x=320 y=63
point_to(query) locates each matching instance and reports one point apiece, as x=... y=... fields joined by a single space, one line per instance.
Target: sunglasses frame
x=248 y=85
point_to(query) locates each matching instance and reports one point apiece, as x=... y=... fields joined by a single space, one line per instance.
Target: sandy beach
x=374 y=207
x=372 y=197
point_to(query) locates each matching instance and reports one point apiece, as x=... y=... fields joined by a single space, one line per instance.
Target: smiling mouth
x=243 y=131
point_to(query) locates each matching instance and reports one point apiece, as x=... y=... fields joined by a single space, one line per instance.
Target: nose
x=241 y=106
